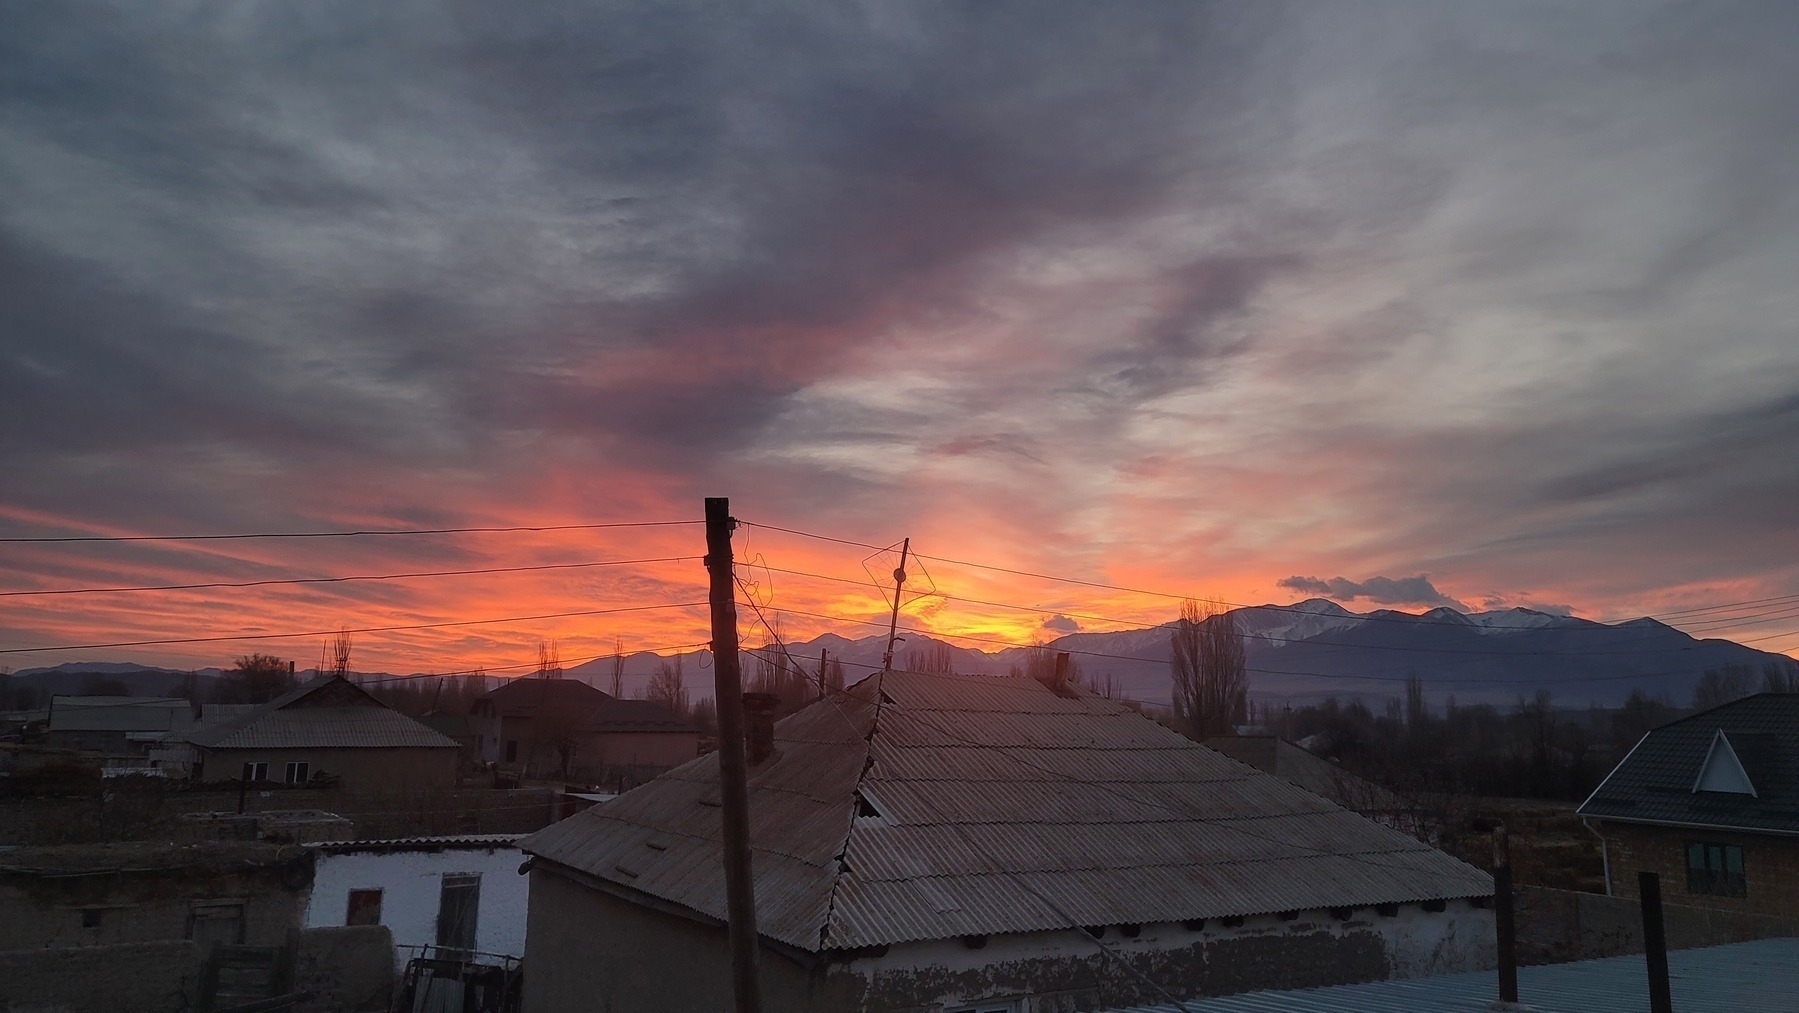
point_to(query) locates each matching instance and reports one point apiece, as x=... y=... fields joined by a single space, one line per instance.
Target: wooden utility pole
x=740 y=890
x=1655 y=942
x=823 y=654
x=899 y=584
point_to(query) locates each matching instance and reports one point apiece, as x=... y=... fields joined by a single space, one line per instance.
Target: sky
x=1406 y=305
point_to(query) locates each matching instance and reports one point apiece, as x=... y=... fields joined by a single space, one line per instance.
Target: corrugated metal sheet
x=326 y=713
x=1002 y=808
x=120 y=714
x=1757 y=977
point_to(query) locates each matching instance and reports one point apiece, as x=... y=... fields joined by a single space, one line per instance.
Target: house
x=1711 y=803
x=153 y=926
x=553 y=727
x=326 y=727
x=461 y=893
x=929 y=842
x=116 y=726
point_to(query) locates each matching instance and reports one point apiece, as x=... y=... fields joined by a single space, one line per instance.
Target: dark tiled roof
x=614 y=715
x=1654 y=784
x=929 y=807
x=525 y=696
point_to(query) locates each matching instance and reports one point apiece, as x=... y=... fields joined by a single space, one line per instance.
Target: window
x=457 y=906
x=511 y=750
x=256 y=772
x=220 y=922
x=364 y=908
x=1716 y=869
x=299 y=772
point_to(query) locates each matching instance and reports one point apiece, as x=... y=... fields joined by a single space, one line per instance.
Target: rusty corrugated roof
x=997 y=806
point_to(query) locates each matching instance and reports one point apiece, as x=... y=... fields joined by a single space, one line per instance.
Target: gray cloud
x=1380 y=590
x=1061 y=624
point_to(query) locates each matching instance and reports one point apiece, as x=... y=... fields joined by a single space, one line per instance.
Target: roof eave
x=1687 y=824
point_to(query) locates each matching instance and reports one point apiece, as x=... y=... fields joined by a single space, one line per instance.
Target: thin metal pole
x=740 y=889
x=1655 y=942
x=899 y=584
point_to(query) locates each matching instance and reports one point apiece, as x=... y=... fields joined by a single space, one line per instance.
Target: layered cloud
x=1380 y=590
x=1171 y=297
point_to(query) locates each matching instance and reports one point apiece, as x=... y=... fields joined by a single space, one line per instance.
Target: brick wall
x=1770 y=866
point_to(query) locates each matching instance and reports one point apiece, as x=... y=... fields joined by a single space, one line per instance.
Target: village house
x=951 y=844
x=161 y=926
x=1710 y=803
x=326 y=728
x=459 y=893
x=555 y=727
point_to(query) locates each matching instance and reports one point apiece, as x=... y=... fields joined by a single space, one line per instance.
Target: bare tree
x=334 y=656
x=618 y=667
x=1211 y=689
x=668 y=686
x=931 y=658
x=549 y=660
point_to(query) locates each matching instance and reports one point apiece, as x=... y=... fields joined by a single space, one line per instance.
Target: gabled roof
x=120 y=714
x=925 y=807
x=525 y=696
x=328 y=712
x=1690 y=772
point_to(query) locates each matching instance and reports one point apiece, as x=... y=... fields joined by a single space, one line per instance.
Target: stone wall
x=346 y=968
x=147 y=977
x=1555 y=926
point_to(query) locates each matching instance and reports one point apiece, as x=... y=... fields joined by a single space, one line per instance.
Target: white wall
x=410 y=882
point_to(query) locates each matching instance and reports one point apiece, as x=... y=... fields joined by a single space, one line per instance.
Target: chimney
x=290 y=668
x=1061 y=683
x=759 y=726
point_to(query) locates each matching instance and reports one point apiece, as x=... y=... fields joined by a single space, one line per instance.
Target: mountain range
x=1295 y=653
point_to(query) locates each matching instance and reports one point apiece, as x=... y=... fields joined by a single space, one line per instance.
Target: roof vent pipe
x=758 y=726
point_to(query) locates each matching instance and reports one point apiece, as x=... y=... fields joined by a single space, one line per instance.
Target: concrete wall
x=141 y=977
x=1561 y=925
x=365 y=769
x=586 y=949
x=411 y=881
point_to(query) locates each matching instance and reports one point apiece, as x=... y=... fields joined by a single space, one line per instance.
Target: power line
x=366 y=629
x=332 y=580
x=1183 y=597
x=340 y=534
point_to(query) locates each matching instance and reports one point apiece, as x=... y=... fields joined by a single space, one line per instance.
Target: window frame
x=1709 y=871
x=256 y=771
x=300 y=767
x=467 y=884
x=357 y=914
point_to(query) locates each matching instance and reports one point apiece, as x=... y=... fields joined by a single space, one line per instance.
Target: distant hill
x=1299 y=653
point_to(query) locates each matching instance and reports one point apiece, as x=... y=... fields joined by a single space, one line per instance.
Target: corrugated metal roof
x=1655 y=782
x=120 y=714
x=452 y=842
x=1757 y=977
x=326 y=713
x=1002 y=807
